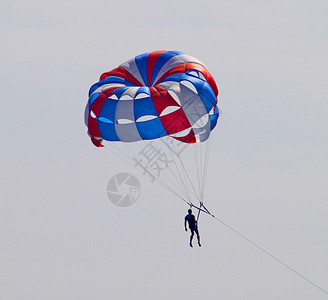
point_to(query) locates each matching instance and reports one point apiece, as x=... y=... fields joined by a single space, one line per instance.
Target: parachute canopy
x=156 y=94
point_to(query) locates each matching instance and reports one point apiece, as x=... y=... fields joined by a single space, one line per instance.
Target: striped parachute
x=165 y=96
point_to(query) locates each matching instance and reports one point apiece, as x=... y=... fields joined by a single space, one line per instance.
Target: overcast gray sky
x=61 y=238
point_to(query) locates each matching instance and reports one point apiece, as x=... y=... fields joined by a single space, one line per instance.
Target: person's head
x=189 y=211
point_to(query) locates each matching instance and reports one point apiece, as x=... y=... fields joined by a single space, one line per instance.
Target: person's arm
x=185 y=224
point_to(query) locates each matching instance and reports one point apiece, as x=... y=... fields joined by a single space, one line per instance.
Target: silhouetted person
x=190 y=218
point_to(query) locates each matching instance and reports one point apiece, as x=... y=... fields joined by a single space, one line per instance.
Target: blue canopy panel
x=142 y=90
x=108 y=110
x=214 y=117
x=107 y=131
x=106 y=120
x=208 y=96
x=141 y=62
x=151 y=129
x=144 y=107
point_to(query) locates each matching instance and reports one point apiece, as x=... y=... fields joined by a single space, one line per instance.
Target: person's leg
x=198 y=236
x=191 y=237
